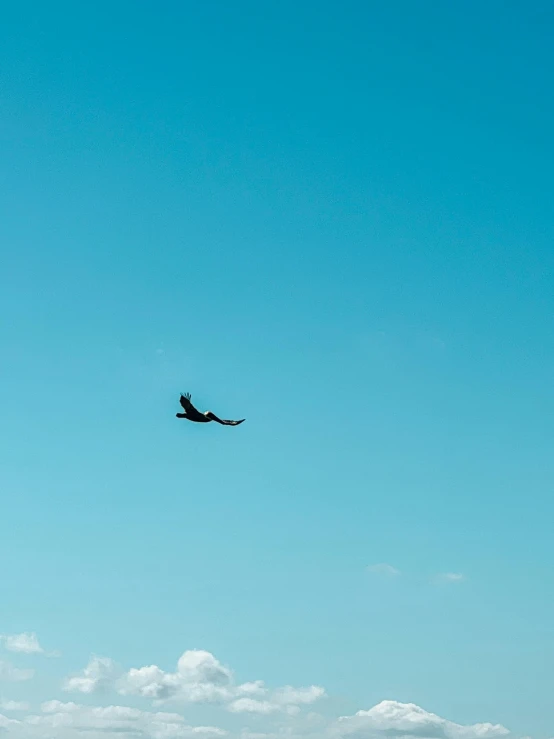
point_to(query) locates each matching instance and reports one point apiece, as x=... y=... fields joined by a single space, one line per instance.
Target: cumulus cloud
x=14 y=674
x=198 y=678
x=248 y=710
x=390 y=718
x=26 y=643
x=383 y=569
x=97 y=675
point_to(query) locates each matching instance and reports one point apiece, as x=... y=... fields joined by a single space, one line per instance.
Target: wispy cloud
x=26 y=643
x=444 y=578
x=14 y=674
x=383 y=569
x=71 y=720
x=14 y=706
x=388 y=718
x=98 y=674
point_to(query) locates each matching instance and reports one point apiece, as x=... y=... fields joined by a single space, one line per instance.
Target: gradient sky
x=336 y=220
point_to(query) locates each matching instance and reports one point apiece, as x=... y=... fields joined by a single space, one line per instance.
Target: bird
x=192 y=414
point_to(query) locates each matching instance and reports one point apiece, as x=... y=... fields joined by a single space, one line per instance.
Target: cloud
x=97 y=675
x=13 y=674
x=199 y=678
x=390 y=718
x=285 y=699
x=248 y=710
x=26 y=643
x=383 y=569
x=71 y=720
x=257 y=687
x=59 y=707
x=252 y=705
x=448 y=577
x=7 y=723
x=298 y=696
x=14 y=706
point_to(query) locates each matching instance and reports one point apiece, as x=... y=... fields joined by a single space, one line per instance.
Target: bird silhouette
x=192 y=414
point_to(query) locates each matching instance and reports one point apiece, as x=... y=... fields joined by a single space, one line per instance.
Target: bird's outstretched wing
x=223 y=422
x=186 y=404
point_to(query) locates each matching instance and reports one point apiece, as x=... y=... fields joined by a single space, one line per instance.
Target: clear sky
x=335 y=220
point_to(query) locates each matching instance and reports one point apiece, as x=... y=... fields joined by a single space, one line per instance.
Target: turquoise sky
x=335 y=220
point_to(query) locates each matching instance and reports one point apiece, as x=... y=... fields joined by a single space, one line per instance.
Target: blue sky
x=335 y=220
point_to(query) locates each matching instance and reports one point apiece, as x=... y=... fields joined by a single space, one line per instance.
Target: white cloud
x=199 y=678
x=26 y=643
x=408 y=720
x=73 y=721
x=387 y=719
x=383 y=569
x=298 y=696
x=449 y=577
x=254 y=688
x=249 y=710
x=14 y=706
x=252 y=705
x=59 y=707
x=97 y=675
x=285 y=699
x=14 y=674
x=7 y=723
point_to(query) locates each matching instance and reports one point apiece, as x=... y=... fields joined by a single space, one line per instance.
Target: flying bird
x=192 y=414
